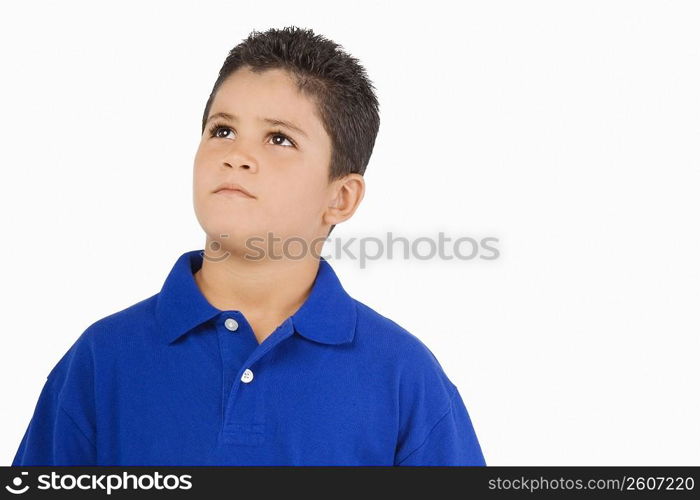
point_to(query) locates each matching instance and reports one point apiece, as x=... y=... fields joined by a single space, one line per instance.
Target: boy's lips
x=233 y=189
x=233 y=193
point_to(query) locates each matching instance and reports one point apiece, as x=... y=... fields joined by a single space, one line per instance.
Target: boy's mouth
x=233 y=190
x=233 y=193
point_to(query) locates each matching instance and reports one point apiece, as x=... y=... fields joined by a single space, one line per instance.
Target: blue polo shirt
x=172 y=380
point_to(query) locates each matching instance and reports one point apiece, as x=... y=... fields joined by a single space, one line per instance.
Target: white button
x=231 y=324
x=247 y=376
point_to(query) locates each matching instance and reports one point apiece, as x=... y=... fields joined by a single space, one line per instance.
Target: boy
x=260 y=357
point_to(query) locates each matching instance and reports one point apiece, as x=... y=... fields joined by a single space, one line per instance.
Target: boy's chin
x=236 y=238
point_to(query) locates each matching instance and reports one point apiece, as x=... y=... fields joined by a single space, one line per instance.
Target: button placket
x=237 y=343
x=244 y=417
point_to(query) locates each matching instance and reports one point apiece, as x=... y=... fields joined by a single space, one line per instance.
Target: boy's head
x=305 y=175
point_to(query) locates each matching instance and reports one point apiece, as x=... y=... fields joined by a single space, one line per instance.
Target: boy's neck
x=265 y=292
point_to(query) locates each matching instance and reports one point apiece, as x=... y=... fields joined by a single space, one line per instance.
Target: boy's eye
x=284 y=138
x=218 y=129
x=277 y=136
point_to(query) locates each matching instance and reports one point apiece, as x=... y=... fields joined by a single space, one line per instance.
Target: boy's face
x=284 y=169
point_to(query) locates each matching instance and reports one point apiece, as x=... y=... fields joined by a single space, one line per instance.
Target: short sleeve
x=60 y=431
x=451 y=441
x=434 y=425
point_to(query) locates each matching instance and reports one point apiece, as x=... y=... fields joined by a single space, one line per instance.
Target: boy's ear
x=348 y=193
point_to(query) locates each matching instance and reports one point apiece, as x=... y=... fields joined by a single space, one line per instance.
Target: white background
x=568 y=130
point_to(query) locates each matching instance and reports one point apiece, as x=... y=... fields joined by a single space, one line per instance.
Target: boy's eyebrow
x=271 y=121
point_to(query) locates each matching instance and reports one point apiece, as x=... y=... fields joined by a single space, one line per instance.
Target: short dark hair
x=336 y=82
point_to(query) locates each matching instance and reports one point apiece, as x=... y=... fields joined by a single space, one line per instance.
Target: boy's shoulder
x=378 y=327
x=375 y=327
x=125 y=317
x=135 y=317
x=100 y=336
x=396 y=344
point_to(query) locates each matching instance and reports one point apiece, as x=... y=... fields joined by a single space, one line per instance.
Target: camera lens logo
x=17 y=482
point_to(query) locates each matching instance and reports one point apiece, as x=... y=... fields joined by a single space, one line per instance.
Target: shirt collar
x=328 y=314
